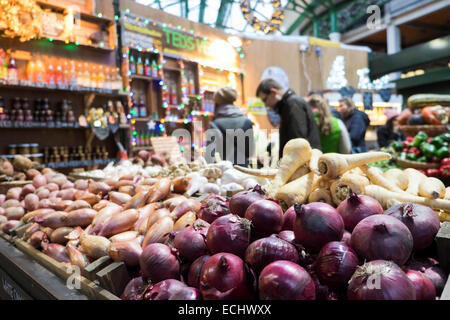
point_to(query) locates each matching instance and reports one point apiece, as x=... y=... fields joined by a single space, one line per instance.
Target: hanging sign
x=177 y=42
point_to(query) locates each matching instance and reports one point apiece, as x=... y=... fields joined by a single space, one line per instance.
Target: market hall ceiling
x=299 y=15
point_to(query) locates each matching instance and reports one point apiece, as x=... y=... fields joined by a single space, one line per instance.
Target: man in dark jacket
x=356 y=122
x=233 y=134
x=297 y=118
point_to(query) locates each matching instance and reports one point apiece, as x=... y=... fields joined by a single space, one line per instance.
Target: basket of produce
x=415 y=164
x=429 y=113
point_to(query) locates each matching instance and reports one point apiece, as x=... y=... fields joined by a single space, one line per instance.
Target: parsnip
x=383 y=196
x=397 y=177
x=414 y=179
x=444 y=216
x=300 y=172
x=349 y=182
x=313 y=162
x=298 y=190
x=332 y=165
x=320 y=195
x=432 y=188
x=376 y=177
x=447 y=193
x=263 y=172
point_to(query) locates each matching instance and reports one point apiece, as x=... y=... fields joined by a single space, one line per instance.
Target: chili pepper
x=409 y=139
x=433 y=173
x=413 y=150
x=429 y=140
x=411 y=157
x=422 y=159
x=419 y=138
x=445 y=161
x=442 y=152
x=428 y=149
x=437 y=142
x=397 y=145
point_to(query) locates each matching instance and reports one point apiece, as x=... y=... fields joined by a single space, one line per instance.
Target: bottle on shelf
x=94 y=77
x=154 y=69
x=101 y=77
x=37 y=110
x=142 y=109
x=147 y=67
x=40 y=71
x=132 y=66
x=86 y=76
x=73 y=81
x=80 y=76
x=3 y=67
x=50 y=73
x=59 y=77
x=2 y=109
x=173 y=93
x=13 y=75
x=66 y=73
x=140 y=65
x=31 y=71
x=108 y=82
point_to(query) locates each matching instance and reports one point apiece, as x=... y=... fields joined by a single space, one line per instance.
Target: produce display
x=426 y=109
x=21 y=169
x=315 y=228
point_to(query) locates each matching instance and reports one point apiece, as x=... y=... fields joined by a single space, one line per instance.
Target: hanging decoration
x=267 y=26
x=336 y=80
x=20 y=18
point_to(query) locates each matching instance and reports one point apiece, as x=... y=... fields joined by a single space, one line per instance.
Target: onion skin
x=135 y=289
x=336 y=264
x=229 y=233
x=224 y=276
x=119 y=198
x=103 y=216
x=14 y=213
x=242 y=200
x=138 y=200
x=424 y=287
x=76 y=257
x=163 y=290
x=213 y=207
x=289 y=219
x=37 y=238
x=76 y=205
x=100 y=188
x=173 y=202
x=264 y=251
x=7 y=226
x=346 y=237
x=80 y=217
x=59 y=235
x=182 y=208
x=124 y=236
x=158 y=232
x=30 y=230
x=380 y=280
x=162 y=189
x=382 y=237
x=285 y=280
x=156 y=216
x=53 y=220
x=56 y=251
x=119 y=222
x=316 y=224
x=191 y=244
x=266 y=217
x=126 y=251
x=95 y=246
x=195 y=269
x=430 y=268
x=30 y=216
x=357 y=207
x=158 y=262
x=144 y=214
x=422 y=222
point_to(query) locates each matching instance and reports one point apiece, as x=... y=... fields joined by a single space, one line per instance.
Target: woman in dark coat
x=356 y=122
x=390 y=132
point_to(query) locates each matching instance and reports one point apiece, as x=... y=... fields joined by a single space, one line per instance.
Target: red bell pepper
x=406 y=143
x=445 y=171
x=410 y=139
x=445 y=161
x=414 y=150
x=422 y=171
x=405 y=150
x=433 y=173
x=429 y=139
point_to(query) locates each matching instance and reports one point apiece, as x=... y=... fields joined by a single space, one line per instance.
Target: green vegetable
x=428 y=149
x=445 y=137
x=442 y=152
x=419 y=138
x=397 y=145
x=411 y=157
x=422 y=159
x=437 y=142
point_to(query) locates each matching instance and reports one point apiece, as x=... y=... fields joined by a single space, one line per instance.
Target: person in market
x=356 y=122
x=390 y=132
x=297 y=118
x=334 y=112
x=229 y=122
x=334 y=136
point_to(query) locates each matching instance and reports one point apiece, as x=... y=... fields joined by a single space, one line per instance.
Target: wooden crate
x=5 y=186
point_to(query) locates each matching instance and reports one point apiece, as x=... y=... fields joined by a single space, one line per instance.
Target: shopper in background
x=334 y=136
x=356 y=122
x=334 y=112
x=228 y=119
x=391 y=130
x=297 y=118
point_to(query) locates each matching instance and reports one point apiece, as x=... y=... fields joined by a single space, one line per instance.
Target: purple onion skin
x=285 y=280
x=187 y=293
x=242 y=200
x=229 y=233
x=164 y=290
x=289 y=219
x=287 y=235
x=357 y=207
x=380 y=280
x=135 y=289
x=266 y=217
x=336 y=264
x=262 y=252
x=316 y=224
x=158 y=262
x=421 y=220
x=190 y=244
x=424 y=287
x=193 y=279
x=224 y=276
x=382 y=237
x=430 y=268
x=213 y=207
x=346 y=237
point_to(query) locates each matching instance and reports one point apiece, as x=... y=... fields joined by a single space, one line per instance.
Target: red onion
x=158 y=262
x=316 y=224
x=193 y=278
x=289 y=219
x=424 y=287
x=224 y=276
x=380 y=280
x=213 y=207
x=163 y=290
x=346 y=237
x=357 y=207
x=285 y=280
x=191 y=243
x=266 y=217
x=430 y=268
x=322 y=291
x=135 y=289
x=336 y=264
x=421 y=220
x=242 y=200
x=266 y=250
x=229 y=233
x=287 y=235
x=186 y=294
x=382 y=237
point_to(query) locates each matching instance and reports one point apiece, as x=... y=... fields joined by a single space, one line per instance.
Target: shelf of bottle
x=46 y=125
x=79 y=163
x=25 y=85
x=137 y=148
x=145 y=78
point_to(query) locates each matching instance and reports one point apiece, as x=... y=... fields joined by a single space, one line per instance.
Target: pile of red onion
x=213 y=207
x=242 y=200
x=357 y=207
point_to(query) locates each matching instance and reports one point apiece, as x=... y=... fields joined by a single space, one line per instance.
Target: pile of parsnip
x=306 y=175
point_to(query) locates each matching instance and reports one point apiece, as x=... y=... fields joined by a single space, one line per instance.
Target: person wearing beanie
x=390 y=132
x=232 y=130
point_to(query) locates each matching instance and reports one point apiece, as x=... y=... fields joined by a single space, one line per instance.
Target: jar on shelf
x=38 y=157
x=24 y=148
x=12 y=148
x=34 y=148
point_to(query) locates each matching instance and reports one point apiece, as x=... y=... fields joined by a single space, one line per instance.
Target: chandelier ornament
x=267 y=26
